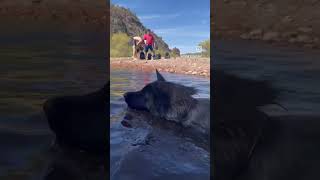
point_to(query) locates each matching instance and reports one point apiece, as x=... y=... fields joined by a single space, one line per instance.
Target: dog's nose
x=126 y=124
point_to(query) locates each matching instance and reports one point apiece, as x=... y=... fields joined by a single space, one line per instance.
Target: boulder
x=271 y=36
x=287 y=19
x=290 y=34
x=245 y=36
x=302 y=38
x=305 y=29
x=255 y=34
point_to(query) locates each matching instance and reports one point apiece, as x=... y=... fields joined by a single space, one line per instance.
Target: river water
x=294 y=71
x=168 y=156
x=37 y=66
x=34 y=67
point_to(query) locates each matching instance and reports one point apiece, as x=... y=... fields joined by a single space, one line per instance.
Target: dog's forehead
x=161 y=85
x=150 y=85
x=154 y=84
x=154 y=88
x=168 y=87
x=164 y=85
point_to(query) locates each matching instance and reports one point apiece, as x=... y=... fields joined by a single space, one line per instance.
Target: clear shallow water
x=168 y=156
x=294 y=71
x=34 y=67
x=38 y=66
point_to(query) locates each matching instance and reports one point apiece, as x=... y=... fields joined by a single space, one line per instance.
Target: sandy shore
x=190 y=66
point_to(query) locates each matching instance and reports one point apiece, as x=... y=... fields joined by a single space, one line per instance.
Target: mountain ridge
x=122 y=20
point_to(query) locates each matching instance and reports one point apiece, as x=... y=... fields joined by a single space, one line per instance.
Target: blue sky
x=181 y=23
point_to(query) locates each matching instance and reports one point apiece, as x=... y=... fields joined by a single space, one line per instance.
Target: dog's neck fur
x=178 y=112
x=195 y=116
x=198 y=118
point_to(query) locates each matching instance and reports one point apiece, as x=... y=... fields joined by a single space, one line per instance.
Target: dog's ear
x=104 y=91
x=159 y=76
x=106 y=86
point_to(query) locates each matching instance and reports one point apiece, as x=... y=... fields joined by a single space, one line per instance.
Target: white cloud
x=186 y=38
x=126 y=5
x=183 y=32
x=166 y=30
x=188 y=49
x=148 y=17
x=122 y=5
x=157 y=16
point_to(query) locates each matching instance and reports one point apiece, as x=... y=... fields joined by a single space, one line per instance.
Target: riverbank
x=60 y=15
x=189 y=66
x=285 y=22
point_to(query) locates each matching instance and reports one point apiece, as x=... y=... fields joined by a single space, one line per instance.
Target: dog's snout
x=126 y=124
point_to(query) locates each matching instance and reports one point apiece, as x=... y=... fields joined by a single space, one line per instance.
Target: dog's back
x=289 y=149
x=249 y=145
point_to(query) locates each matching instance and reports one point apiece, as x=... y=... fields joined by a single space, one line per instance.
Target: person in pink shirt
x=149 y=43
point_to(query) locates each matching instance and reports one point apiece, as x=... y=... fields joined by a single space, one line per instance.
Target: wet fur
x=172 y=102
x=249 y=144
x=80 y=121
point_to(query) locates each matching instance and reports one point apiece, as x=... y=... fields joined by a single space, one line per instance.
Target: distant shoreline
x=188 y=66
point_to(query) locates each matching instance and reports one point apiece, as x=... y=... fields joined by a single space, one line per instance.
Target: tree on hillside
x=119 y=45
x=205 y=47
x=160 y=51
x=175 y=52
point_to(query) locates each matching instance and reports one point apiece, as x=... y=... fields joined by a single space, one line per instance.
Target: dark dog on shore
x=172 y=102
x=249 y=145
x=80 y=121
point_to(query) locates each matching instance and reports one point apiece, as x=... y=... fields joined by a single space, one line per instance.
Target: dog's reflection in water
x=73 y=164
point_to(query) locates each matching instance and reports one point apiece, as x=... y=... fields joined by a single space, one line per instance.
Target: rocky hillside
x=286 y=21
x=123 y=20
x=69 y=15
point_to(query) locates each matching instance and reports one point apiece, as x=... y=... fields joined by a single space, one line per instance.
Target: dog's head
x=163 y=99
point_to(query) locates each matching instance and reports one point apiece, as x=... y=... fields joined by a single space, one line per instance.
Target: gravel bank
x=190 y=66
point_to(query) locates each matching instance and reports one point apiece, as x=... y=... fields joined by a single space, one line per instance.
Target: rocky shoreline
x=39 y=15
x=301 y=37
x=189 y=66
x=288 y=22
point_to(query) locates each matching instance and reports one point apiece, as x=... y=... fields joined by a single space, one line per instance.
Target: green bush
x=160 y=51
x=205 y=46
x=175 y=52
x=119 y=45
